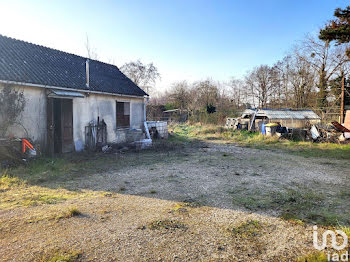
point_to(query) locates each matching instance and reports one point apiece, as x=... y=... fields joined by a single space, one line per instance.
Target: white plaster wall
x=104 y=106
x=84 y=110
x=33 y=118
x=137 y=114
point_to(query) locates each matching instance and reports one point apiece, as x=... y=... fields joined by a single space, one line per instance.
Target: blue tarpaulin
x=263 y=129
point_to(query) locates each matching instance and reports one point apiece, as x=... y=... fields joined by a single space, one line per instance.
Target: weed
x=71 y=212
x=346 y=230
x=301 y=204
x=58 y=256
x=251 y=228
x=7 y=182
x=251 y=202
x=153 y=191
x=292 y=218
x=323 y=216
x=180 y=207
x=166 y=224
x=192 y=203
x=37 y=199
x=189 y=203
x=314 y=257
x=345 y=194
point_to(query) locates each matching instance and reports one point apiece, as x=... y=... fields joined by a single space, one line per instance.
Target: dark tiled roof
x=29 y=63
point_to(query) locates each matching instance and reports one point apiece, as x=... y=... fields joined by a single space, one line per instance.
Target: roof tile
x=34 y=64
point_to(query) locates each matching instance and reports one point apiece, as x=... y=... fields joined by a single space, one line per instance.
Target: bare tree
x=238 y=93
x=12 y=105
x=302 y=80
x=325 y=58
x=207 y=93
x=282 y=82
x=90 y=51
x=180 y=95
x=143 y=75
x=261 y=83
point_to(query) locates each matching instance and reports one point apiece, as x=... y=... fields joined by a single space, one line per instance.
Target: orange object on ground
x=26 y=144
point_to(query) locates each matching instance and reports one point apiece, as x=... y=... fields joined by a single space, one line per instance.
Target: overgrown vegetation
x=187 y=132
x=12 y=104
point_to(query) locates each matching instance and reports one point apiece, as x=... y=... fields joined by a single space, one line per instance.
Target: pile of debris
x=336 y=133
x=291 y=124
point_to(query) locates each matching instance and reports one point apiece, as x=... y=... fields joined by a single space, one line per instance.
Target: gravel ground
x=179 y=208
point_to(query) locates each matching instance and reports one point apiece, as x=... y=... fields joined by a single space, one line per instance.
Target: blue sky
x=185 y=39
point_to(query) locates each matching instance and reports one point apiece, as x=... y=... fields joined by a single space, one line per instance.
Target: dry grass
x=166 y=224
x=346 y=230
x=314 y=257
x=251 y=228
x=71 y=212
x=48 y=180
x=61 y=256
x=16 y=192
x=252 y=139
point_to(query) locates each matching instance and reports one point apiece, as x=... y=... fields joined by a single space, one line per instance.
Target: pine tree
x=338 y=29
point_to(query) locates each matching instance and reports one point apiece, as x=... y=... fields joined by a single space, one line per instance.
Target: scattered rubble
x=291 y=124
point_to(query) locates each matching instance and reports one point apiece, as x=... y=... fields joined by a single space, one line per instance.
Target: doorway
x=60 y=125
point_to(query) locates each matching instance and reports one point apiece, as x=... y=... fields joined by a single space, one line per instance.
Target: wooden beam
x=342 y=100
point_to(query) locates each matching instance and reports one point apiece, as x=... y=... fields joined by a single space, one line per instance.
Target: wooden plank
x=50 y=126
x=67 y=125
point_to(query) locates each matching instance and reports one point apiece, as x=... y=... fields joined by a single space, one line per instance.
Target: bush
x=217 y=118
x=12 y=105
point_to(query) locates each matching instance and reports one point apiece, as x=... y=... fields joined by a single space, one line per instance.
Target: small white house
x=65 y=93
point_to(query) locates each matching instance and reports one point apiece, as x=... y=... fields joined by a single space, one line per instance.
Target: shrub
x=12 y=105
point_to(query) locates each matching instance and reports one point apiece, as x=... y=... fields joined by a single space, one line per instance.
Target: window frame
x=122 y=119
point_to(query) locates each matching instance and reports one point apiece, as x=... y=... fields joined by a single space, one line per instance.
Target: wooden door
x=67 y=125
x=50 y=126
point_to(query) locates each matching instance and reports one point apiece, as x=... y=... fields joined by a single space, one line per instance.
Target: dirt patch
x=213 y=202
